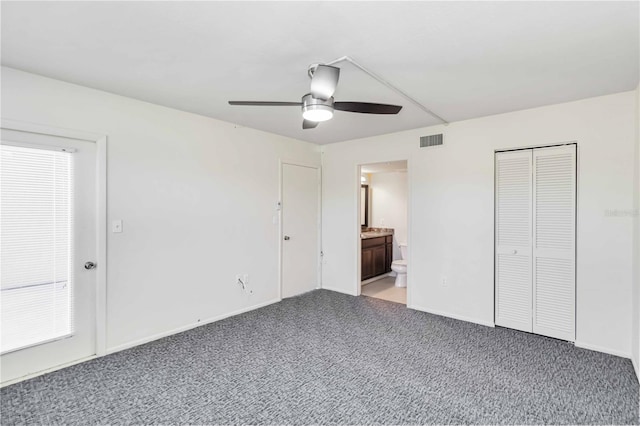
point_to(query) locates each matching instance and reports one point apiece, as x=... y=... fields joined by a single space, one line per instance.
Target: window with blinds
x=36 y=239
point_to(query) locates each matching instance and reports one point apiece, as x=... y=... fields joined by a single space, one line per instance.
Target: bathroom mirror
x=364 y=205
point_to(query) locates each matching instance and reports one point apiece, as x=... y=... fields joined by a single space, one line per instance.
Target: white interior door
x=300 y=223
x=513 y=219
x=48 y=233
x=554 y=230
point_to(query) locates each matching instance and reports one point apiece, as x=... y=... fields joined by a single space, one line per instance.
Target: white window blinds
x=36 y=232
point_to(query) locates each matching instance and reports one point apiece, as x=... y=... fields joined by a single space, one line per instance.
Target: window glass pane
x=36 y=275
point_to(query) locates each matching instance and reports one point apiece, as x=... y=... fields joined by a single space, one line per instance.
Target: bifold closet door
x=554 y=230
x=513 y=256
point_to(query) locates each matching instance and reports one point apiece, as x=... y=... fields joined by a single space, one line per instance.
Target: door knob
x=287 y=238
x=89 y=265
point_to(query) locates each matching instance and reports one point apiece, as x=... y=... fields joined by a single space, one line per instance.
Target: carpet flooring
x=329 y=358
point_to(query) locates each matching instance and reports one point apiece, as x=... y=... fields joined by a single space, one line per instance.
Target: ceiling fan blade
x=263 y=103
x=308 y=124
x=324 y=81
x=367 y=108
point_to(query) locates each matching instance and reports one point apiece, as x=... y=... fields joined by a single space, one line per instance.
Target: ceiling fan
x=318 y=105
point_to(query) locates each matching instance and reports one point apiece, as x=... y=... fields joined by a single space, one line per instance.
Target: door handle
x=286 y=238
x=89 y=265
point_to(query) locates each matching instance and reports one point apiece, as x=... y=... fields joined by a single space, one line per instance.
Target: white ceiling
x=460 y=59
x=386 y=167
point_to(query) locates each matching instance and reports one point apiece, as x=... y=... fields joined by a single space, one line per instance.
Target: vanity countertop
x=374 y=234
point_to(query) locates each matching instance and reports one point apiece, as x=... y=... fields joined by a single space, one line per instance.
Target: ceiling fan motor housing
x=314 y=109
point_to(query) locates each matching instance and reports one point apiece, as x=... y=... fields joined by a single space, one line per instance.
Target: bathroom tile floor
x=384 y=289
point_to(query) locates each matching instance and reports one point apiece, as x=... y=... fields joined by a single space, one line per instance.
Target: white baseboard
x=47 y=370
x=602 y=349
x=635 y=368
x=338 y=290
x=454 y=316
x=188 y=327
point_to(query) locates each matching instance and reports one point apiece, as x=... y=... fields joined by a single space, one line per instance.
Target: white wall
x=451 y=211
x=388 y=200
x=635 y=327
x=197 y=197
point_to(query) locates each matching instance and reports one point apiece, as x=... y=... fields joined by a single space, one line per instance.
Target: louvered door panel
x=554 y=200
x=513 y=273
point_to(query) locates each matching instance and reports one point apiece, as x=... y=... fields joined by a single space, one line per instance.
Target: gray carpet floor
x=328 y=358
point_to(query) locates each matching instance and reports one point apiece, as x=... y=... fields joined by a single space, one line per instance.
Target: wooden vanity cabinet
x=376 y=256
x=366 y=260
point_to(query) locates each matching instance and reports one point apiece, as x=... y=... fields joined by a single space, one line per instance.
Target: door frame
x=100 y=141
x=577 y=222
x=281 y=164
x=357 y=287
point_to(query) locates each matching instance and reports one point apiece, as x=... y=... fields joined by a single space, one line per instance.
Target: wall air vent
x=431 y=140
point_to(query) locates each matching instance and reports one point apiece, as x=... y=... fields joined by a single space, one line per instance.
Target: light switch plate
x=116 y=226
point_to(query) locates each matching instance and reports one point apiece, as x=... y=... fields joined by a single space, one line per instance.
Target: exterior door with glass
x=48 y=237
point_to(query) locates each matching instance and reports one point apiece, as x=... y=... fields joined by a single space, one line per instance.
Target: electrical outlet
x=444 y=282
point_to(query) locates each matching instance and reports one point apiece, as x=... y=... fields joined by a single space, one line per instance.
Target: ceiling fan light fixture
x=317 y=113
x=316 y=109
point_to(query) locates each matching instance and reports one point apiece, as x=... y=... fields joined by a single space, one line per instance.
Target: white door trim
x=101 y=220
x=357 y=287
x=409 y=227
x=281 y=164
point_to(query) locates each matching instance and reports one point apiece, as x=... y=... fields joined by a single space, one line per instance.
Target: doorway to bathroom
x=382 y=240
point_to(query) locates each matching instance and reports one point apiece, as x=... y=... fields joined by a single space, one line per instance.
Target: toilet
x=400 y=267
